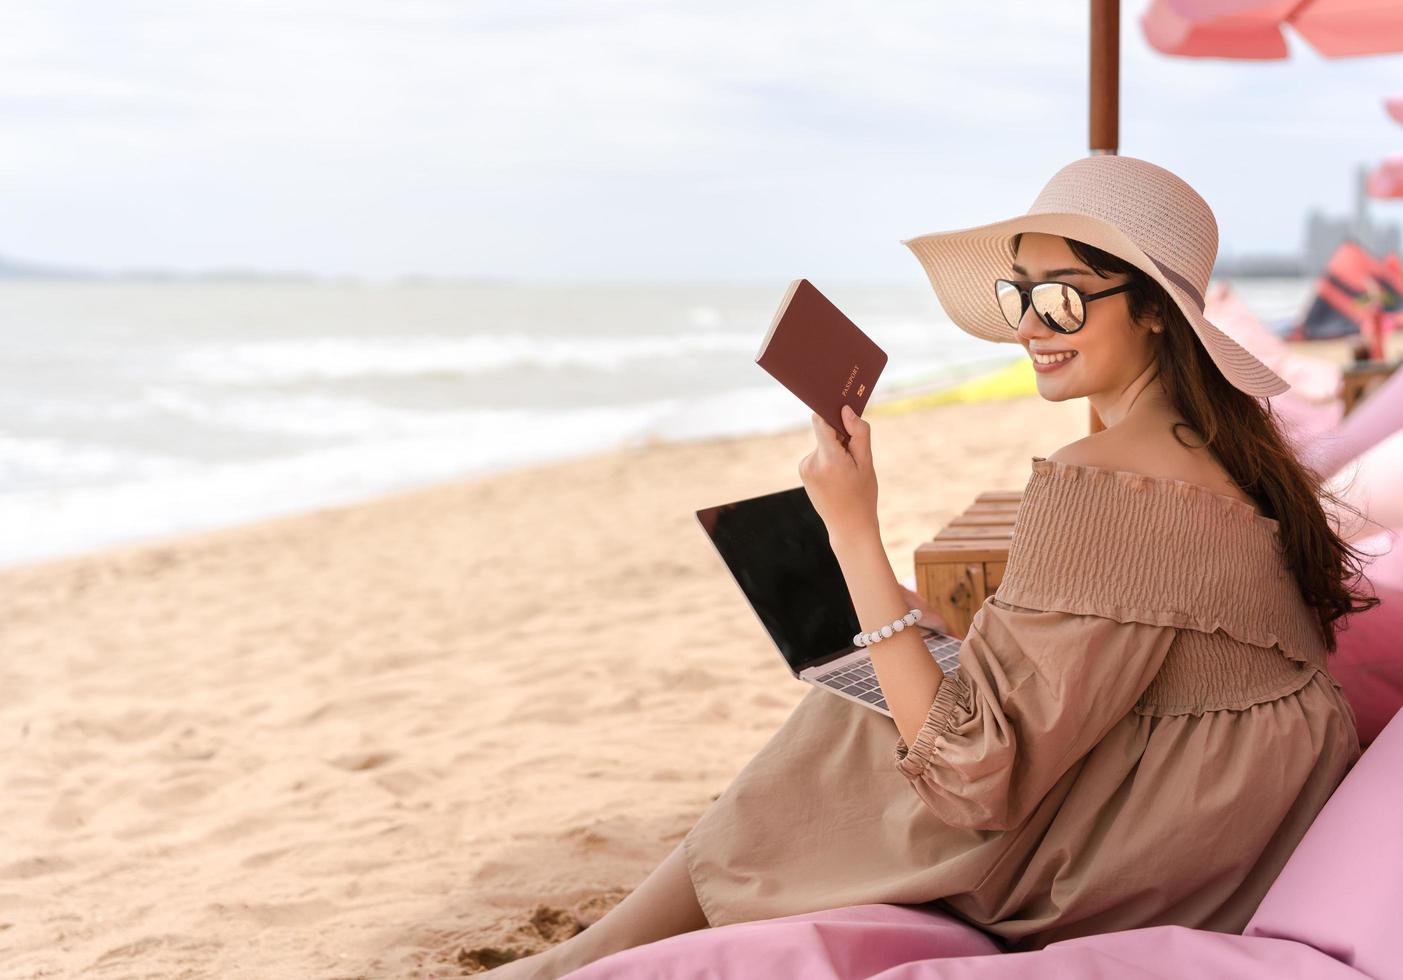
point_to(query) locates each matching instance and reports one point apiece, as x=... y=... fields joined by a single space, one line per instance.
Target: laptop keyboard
x=859 y=678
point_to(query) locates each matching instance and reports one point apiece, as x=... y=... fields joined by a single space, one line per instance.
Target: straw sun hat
x=1130 y=208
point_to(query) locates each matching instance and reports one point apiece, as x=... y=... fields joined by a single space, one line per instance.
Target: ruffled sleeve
x=1035 y=690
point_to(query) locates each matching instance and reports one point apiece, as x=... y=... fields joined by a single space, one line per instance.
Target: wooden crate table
x=964 y=563
x=1360 y=378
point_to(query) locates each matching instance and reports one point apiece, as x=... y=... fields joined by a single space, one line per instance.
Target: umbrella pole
x=1105 y=94
x=1105 y=75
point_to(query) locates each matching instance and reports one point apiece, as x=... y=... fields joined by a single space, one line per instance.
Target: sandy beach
x=364 y=366
x=399 y=738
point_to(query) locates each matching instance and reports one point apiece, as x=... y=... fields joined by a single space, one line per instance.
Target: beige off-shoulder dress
x=1141 y=729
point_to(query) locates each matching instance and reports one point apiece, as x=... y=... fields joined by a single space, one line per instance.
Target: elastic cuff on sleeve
x=913 y=760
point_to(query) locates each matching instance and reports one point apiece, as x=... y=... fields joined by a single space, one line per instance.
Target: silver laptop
x=776 y=547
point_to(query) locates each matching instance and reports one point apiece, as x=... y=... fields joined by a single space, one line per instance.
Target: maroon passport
x=820 y=355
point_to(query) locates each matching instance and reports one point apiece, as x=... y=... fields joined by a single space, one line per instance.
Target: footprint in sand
x=359 y=761
x=766 y=699
x=692 y=679
x=545 y=926
x=34 y=867
x=717 y=709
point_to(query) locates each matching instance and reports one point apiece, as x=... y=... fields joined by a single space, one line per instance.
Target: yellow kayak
x=1014 y=381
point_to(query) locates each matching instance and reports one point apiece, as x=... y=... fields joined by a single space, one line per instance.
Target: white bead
x=886 y=631
x=899 y=625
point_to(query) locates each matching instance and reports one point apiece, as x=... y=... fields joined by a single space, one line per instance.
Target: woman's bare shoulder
x=1098 y=449
x=1151 y=455
x=1108 y=449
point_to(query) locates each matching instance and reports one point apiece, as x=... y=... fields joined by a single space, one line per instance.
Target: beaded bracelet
x=895 y=626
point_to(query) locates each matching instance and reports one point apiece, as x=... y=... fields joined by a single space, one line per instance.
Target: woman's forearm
x=907 y=672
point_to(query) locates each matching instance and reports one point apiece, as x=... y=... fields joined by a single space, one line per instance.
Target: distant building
x=1323 y=234
x=1260 y=267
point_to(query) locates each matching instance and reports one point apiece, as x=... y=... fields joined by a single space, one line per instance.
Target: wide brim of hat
x=963 y=264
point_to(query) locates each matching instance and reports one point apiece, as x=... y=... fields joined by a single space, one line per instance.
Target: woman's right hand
x=929 y=617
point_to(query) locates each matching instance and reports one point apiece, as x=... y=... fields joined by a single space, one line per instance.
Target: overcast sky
x=621 y=140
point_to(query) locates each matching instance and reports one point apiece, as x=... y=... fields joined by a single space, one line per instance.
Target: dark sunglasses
x=1060 y=305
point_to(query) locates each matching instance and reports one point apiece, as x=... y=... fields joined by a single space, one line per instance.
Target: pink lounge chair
x=1334 y=911
x=1379 y=416
x=1370 y=484
x=1303 y=421
x=1362 y=458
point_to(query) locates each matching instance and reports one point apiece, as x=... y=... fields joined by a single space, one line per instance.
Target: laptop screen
x=776 y=547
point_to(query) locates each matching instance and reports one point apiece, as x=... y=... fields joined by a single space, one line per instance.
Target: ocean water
x=132 y=410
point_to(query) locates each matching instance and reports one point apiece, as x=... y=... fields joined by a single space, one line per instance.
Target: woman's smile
x=1043 y=363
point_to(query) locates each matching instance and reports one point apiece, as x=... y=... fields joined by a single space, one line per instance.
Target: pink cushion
x=861 y=941
x=1368 y=659
x=896 y=942
x=1342 y=890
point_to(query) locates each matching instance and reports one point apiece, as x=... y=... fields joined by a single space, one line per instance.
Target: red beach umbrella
x=1253 y=29
x=1386 y=179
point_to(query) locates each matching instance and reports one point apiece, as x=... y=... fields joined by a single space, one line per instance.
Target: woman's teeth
x=1053 y=358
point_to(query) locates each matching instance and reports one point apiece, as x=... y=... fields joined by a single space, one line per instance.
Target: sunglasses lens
x=1010 y=301
x=1059 y=304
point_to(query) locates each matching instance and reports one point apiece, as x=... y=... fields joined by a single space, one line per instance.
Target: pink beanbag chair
x=899 y=942
x=1332 y=913
x=1342 y=890
x=1368 y=658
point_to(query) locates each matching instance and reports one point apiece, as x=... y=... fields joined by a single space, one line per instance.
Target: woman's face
x=1110 y=350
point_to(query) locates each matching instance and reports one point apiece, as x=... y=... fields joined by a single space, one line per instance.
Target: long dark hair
x=1245 y=436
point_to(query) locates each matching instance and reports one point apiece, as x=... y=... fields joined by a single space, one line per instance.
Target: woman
x=1142 y=725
